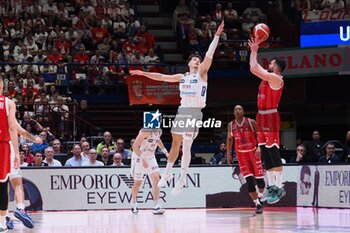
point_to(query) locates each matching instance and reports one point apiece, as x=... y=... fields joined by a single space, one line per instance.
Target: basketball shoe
x=158 y=210
x=267 y=194
x=25 y=219
x=9 y=223
x=277 y=194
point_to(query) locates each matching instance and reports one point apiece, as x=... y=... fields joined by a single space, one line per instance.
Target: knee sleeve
x=274 y=154
x=266 y=158
x=251 y=184
x=4 y=200
x=260 y=183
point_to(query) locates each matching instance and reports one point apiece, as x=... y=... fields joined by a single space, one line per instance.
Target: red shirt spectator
x=81 y=56
x=144 y=34
x=55 y=57
x=10 y=22
x=62 y=46
x=99 y=33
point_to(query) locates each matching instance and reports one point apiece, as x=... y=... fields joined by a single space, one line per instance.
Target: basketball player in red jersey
x=8 y=134
x=243 y=131
x=268 y=119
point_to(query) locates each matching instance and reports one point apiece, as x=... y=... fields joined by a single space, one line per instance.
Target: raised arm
x=162 y=148
x=229 y=143
x=274 y=79
x=13 y=130
x=24 y=133
x=208 y=59
x=158 y=76
x=138 y=141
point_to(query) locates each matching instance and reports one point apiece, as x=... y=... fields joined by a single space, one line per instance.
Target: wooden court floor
x=192 y=221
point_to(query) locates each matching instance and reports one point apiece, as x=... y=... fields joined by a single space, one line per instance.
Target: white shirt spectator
x=337 y=5
x=39 y=59
x=116 y=165
x=95 y=164
x=151 y=60
x=119 y=24
x=62 y=109
x=47 y=8
x=88 y=9
x=54 y=163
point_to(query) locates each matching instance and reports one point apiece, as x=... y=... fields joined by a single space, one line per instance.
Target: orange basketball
x=261 y=31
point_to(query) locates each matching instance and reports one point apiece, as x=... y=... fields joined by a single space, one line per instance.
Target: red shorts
x=269 y=129
x=5 y=161
x=250 y=164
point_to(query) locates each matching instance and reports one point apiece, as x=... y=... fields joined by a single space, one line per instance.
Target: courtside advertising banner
x=324 y=186
x=310 y=61
x=110 y=188
x=143 y=90
x=326 y=15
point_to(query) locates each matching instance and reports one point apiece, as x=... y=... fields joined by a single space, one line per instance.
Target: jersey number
x=204 y=89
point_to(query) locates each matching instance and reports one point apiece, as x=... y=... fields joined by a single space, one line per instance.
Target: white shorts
x=15 y=173
x=143 y=165
x=185 y=114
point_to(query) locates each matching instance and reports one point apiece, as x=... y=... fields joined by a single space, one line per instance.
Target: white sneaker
x=178 y=188
x=158 y=210
x=164 y=179
x=134 y=208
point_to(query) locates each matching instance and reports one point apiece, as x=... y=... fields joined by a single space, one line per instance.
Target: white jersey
x=193 y=91
x=150 y=144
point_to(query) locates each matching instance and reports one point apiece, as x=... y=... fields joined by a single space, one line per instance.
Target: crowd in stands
x=195 y=30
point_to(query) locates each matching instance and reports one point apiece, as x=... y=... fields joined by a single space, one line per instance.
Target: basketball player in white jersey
x=143 y=161
x=193 y=93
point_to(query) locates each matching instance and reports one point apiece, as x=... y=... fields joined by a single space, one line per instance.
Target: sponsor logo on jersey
x=193 y=81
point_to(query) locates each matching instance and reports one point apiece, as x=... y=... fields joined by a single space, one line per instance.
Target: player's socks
x=167 y=175
x=278 y=177
x=271 y=178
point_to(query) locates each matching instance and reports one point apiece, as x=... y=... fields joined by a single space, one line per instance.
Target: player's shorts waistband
x=245 y=151
x=268 y=111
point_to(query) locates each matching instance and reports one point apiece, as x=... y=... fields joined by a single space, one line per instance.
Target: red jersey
x=268 y=97
x=4 y=126
x=244 y=135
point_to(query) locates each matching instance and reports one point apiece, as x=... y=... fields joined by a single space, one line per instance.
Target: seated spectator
x=86 y=148
x=117 y=160
x=107 y=142
x=35 y=126
x=29 y=157
x=81 y=56
x=76 y=160
x=253 y=13
x=220 y=156
x=119 y=27
x=330 y=157
x=49 y=153
x=231 y=17
x=105 y=157
x=92 y=162
x=313 y=148
x=143 y=33
x=113 y=10
x=63 y=46
x=182 y=8
x=151 y=58
x=38 y=161
x=62 y=113
x=211 y=25
x=337 y=5
x=99 y=33
x=22 y=158
x=56 y=145
x=133 y=26
x=126 y=11
x=218 y=14
x=126 y=154
x=301 y=156
x=41 y=147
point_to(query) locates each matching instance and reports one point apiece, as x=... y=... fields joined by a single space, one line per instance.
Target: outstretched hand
x=254 y=44
x=220 y=29
x=136 y=72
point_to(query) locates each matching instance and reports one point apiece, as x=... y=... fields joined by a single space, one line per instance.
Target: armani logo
x=129 y=181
